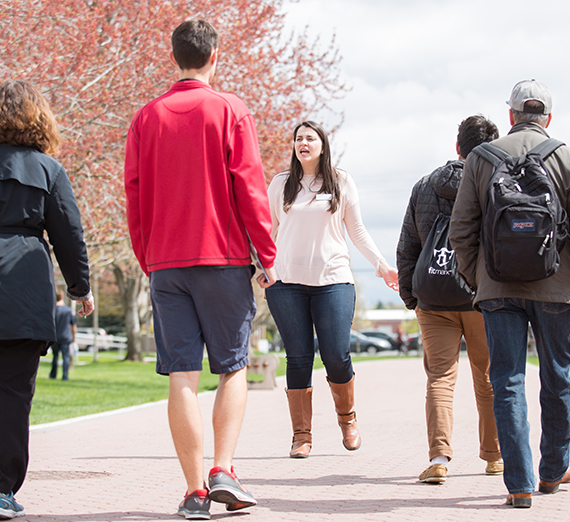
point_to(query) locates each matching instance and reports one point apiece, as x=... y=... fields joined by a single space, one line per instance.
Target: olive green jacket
x=465 y=229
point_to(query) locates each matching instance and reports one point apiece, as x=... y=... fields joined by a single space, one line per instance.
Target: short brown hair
x=193 y=42
x=59 y=295
x=26 y=119
x=473 y=131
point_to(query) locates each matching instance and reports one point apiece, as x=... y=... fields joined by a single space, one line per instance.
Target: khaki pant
x=441 y=337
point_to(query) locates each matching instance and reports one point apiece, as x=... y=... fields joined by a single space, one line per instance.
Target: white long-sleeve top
x=311 y=244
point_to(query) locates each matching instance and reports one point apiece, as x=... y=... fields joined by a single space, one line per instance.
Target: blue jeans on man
x=56 y=349
x=506 y=325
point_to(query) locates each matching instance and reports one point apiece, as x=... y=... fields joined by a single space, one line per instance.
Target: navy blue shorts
x=200 y=305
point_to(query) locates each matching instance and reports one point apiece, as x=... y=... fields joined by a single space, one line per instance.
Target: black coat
x=36 y=195
x=432 y=195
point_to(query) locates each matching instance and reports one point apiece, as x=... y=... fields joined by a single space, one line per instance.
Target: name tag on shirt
x=324 y=197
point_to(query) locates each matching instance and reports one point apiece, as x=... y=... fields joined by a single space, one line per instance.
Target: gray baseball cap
x=528 y=90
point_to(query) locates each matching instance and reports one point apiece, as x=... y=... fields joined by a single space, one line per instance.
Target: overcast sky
x=417 y=69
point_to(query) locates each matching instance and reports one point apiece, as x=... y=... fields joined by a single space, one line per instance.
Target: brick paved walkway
x=123 y=467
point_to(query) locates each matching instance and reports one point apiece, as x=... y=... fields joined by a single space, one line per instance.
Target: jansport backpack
x=524 y=227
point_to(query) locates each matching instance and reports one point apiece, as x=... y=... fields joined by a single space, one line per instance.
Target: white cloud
x=417 y=68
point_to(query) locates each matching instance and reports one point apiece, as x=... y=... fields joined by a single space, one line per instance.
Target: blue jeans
x=506 y=325
x=296 y=308
x=56 y=349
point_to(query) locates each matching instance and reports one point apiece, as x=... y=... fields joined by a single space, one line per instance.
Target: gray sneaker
x=195 y=506
x=9 y=508
x=226 y=488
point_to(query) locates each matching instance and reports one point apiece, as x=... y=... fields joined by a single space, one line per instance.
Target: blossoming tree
x=98 y=61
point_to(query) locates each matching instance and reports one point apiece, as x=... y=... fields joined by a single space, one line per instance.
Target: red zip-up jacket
x=194 y=181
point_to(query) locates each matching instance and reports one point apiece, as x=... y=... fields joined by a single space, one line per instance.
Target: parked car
x=85 y=338
x=360 y=343
x=378 y=334
x=364 y=344
x=412 y=342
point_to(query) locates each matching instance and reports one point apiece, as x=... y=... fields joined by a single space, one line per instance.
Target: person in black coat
x=35 y=197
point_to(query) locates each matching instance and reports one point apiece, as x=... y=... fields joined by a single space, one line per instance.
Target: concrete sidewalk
x=123 y=467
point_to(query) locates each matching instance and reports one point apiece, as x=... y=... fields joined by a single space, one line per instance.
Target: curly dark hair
x=26 y=119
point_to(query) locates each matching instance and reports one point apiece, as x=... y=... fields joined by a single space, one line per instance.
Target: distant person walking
x=65 y=327
x=195 y=191
x=508 y=307
x=35 y=197
x=311 y=204
x=443 y=324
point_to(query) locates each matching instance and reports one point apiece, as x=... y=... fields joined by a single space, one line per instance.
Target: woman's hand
x=389 y=274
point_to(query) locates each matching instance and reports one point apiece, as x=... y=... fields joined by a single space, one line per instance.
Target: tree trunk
x=130 y=287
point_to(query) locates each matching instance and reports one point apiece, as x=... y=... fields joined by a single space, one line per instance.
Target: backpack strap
x=491 y=153
x=546 y=148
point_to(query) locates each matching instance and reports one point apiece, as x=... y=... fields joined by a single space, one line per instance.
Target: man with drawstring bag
x=443 y=305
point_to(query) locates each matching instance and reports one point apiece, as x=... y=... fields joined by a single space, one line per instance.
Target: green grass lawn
x=108 y=385
x=94 y=387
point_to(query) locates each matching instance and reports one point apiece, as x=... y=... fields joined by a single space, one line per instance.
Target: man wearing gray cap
x=508 y=307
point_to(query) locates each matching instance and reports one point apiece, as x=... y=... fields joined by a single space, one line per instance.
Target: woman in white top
x=311 y=204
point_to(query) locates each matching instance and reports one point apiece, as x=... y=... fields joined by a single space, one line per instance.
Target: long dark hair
x=325 y=171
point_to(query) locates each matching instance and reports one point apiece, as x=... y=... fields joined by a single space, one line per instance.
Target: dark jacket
x=465 y=229
x=432 y=195
x=36 y=195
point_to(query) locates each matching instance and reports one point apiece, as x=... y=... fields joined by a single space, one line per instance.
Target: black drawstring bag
x=436 y=281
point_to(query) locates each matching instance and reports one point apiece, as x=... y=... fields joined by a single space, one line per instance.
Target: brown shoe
x=435 y=474
x=552 y=487
x=495 y=467
x=301 y=411
x=519 y=500
x=343 y=396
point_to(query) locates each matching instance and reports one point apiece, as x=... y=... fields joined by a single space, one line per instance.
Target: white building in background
x=388 y=320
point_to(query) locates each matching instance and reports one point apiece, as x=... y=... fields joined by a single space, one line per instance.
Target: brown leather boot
x=343 y=396
x=301 y=411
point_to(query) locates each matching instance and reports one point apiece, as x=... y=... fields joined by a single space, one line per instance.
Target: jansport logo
x=523 y=225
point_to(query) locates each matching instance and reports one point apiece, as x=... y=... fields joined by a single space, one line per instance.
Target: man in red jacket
x=196 y=196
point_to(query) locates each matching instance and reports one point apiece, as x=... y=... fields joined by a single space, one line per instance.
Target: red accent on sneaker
x=232 y=474
x=217 y=469
x=234 y=506
x=200 y=493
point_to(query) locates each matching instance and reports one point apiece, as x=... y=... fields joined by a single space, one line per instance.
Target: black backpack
x=524 y=226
